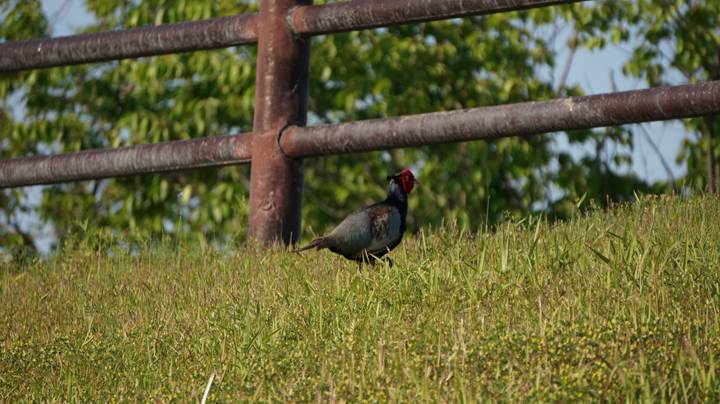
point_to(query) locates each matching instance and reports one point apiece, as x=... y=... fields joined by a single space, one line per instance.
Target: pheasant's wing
x=373 y=230
x=351 y=236
x=385 y=227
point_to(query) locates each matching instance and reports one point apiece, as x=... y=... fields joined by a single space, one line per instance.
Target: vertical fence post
x=276 y=181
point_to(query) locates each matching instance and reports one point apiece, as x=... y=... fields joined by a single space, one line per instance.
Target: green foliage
x=613 y=306
x=133 y=102
x=681 y=38
x=21 y=20
x=422 y=68
x=444 y=65
x=673 y=42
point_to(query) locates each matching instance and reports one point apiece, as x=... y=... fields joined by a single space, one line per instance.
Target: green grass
x=615 y=305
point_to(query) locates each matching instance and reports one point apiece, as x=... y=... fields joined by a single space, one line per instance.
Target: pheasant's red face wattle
x=407 y=180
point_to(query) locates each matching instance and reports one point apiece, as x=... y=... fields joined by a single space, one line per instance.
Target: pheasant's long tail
x=318 y=244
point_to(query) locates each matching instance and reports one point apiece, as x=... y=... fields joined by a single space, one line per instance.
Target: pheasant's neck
x=397 y=197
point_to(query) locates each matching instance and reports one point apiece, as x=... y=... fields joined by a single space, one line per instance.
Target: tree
x=408 y=69
x=675 y=42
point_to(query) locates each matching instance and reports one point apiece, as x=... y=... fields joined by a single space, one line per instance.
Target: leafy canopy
x=443 y=65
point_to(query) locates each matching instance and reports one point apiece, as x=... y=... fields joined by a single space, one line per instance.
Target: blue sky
x=591 y=70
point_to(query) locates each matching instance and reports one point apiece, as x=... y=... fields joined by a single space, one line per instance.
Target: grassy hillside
x=620 y=304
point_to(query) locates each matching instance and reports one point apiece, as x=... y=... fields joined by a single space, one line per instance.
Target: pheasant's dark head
x=405 y=179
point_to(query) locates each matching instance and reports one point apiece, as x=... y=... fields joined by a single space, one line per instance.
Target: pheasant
x=372 y=232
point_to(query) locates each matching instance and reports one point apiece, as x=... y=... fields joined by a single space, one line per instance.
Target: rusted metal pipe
x=112 y=45
x=276 y=181
x=521 y=119
x=363 y=14
x=142 y=159
x=240 y=29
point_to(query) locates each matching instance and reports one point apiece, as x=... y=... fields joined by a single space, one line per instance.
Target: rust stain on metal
x=137 y=42
x=142 y=159
x=364 y=14
x=276 y=181
x=521 y=119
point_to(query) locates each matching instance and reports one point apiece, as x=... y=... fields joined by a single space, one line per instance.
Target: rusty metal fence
x=280 y=140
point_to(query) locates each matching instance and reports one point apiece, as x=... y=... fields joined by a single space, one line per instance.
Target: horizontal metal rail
x=520 y=119
x=133 y=43
x=142 y=159
x=363 y=14
x=281 y=29
x=241 y=29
